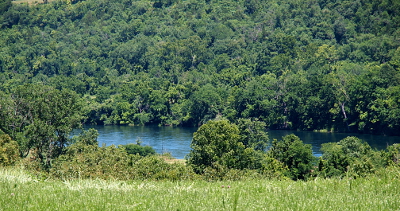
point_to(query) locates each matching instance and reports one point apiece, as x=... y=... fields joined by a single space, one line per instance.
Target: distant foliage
x=87 y=137
x=253 y=133
x=4 y=5
x=307 y=65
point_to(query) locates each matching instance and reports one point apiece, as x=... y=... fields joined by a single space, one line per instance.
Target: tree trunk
x=344 y=115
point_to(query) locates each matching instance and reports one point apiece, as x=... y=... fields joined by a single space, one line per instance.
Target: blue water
x=176 y=140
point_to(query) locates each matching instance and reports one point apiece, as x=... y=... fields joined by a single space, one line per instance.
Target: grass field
x=19 y=191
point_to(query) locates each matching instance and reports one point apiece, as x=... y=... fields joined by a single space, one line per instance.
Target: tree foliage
x=350 y=156
x=295 y=155
x=84 y=161
x=307 y=65
x=41 y=118
x=134 y=149
x=221 y=148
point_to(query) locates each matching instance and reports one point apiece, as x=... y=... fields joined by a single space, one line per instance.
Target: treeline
x=37 y=120
x=308 y=65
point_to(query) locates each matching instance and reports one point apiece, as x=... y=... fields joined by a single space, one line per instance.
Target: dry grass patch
x=30 y=2
x=171 y=160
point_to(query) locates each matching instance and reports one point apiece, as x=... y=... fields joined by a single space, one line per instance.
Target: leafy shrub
x=92 y=161
x=294 y=154
x=273 y=169
x=350 y=156
x=9 y=152
x=217 y=145
x=392 y=155
x=134 y=149
x=82 y=160
x=270 y=168
x=155 y=167
x=253 y=133
x=87 y=137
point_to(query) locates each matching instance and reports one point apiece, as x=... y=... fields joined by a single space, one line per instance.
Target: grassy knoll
x=19 y=191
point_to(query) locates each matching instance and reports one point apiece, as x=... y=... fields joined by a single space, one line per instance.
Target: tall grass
x=20 y=191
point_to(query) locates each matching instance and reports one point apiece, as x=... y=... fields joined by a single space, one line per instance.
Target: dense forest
x=329 y=65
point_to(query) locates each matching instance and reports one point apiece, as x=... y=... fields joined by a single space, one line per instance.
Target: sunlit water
x=176 y=140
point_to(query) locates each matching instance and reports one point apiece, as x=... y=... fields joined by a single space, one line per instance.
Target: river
x=176 y=140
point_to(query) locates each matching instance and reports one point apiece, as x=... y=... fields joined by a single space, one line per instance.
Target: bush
x=9 y=152
x=253 y=133
x=351 y=156
x=217 y=145
x=91 y=161
x=392 y=155
x=87 y=137
x=134 y=149
x=155 y=167
x=294 y=154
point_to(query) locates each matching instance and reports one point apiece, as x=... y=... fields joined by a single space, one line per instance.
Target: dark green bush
x=295 y=155
x=134 y=149
x=87 y=137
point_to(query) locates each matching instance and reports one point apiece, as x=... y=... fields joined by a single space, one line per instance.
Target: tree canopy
x=307 y=65
x=40 y=118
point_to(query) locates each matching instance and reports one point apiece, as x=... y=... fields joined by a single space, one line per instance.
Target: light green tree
x=218 y=145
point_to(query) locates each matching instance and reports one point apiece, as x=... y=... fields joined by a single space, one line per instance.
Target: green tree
x=88 y=137
x=217 y=145
x=41 y=118
x=206 y=104
x=294 y=154
x=4 y=5
x=253 y=134
x=351 y=155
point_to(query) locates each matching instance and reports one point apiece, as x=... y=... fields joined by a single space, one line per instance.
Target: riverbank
x=20 y=191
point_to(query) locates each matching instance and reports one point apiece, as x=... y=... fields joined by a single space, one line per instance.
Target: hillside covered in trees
x=300 y=64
